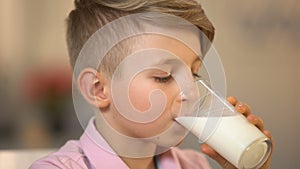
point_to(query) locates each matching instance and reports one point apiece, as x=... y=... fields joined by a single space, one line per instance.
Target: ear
x=94 y=87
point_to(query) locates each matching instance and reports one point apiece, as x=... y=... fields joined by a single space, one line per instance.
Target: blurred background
x=258 y=42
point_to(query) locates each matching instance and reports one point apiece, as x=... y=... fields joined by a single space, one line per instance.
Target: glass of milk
x=215 y=122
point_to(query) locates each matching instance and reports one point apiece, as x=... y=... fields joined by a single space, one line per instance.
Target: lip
x=178 y=128
x=174 y=116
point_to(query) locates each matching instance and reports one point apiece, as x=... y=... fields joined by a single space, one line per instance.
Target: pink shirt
x=85 y=154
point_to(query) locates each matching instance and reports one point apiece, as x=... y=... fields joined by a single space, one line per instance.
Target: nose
x=187 y=95
x=182 y=96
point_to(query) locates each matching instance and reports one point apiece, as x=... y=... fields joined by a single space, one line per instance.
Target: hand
x=257 y=121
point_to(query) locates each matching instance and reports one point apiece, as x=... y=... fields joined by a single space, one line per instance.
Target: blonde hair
x=90 y=15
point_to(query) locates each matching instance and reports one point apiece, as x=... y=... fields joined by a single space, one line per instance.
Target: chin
x=171 y=137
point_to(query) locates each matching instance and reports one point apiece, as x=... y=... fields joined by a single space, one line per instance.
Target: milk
x=230 y=136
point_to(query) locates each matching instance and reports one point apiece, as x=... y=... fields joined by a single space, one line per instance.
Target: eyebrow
x=163 y=61
x=166 y=64
x=169 y=61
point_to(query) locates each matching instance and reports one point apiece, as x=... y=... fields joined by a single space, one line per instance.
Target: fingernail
x=241 y=107
x=255 y=120
x=232 y=98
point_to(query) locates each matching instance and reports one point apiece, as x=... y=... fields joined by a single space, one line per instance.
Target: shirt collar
x=100 y=155
x=98 y=151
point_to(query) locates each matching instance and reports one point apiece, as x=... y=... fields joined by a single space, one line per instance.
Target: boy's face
x=163 y=127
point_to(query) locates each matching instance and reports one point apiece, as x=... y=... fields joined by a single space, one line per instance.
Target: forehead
x=177 y=47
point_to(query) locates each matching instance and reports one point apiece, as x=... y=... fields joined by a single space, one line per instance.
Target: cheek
x=139 y=97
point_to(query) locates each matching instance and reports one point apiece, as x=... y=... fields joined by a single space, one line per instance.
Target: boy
x=136 y=88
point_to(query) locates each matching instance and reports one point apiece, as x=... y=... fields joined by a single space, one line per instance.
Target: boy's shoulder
x=68 y=156
x=71 y=155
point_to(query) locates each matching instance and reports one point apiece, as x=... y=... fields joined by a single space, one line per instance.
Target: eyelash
x=167 y=78
x=196 y=76
x=163 y=79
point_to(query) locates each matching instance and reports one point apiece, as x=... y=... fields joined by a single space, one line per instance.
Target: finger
x=232 y=100
x=268 y=134
x=243 y=108
x=205 y=148
x=257 y=121
x=268 y=162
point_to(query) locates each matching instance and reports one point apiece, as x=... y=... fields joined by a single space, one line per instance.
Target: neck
x=125 y=146
x=140 y=163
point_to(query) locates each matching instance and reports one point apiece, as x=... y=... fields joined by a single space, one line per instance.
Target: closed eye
x=163 y=79
x=196 y=76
